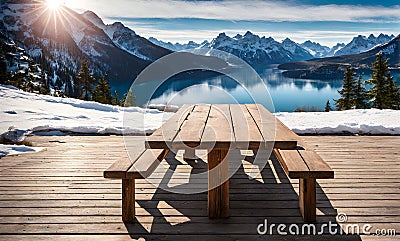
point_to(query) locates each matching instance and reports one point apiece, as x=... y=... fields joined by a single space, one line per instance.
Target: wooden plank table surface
x=220 y=128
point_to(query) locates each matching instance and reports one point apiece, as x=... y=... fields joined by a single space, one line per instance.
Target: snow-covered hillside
x=364 y=122
x=32 y=112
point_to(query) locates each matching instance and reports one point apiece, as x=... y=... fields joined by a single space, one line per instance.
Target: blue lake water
x=287 y=94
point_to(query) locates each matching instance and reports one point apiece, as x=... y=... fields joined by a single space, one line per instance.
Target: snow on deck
x=7 y=150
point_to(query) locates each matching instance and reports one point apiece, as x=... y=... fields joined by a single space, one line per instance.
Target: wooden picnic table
x=220 y=128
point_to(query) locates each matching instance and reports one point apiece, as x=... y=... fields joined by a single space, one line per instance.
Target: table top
x=222 y=126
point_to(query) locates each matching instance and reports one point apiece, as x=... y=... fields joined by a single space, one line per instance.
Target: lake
x=286 y=94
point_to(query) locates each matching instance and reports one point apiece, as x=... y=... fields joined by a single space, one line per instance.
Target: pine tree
x=4 y=75
x=44 y=87
x=395 y=96
x=84 y=81
x=360 y=98
x=398 y=97
x=347 y=95
x=128 y=100
x=328 y=106
x=115 y=100
x=102 y=92
x=382 y=92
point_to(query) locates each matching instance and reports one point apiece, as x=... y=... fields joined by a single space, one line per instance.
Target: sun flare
x=54 y=4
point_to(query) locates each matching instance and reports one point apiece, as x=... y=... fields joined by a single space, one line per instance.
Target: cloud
x=242 y=10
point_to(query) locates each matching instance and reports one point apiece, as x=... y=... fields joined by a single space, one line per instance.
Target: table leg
x=189 y=154
x=218 y=197
x=128 y=200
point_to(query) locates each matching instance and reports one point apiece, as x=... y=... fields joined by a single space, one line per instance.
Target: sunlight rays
x=53 y=16
x=54 y=4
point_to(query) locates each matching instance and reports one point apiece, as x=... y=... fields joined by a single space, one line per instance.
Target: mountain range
x=334 y=67
x=59 y=46
x=357 y=45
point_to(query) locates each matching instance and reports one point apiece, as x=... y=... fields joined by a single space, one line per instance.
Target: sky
x=325 y=21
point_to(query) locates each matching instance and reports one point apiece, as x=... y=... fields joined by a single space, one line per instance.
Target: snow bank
x=6 y=150
x=41 y=113
x=163 y=107
x=372 y=121
x=38 y=113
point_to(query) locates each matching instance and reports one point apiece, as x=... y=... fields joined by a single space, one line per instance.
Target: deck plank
x=162 y=137
x=192 y=129
x=246 y=138
x=218 y=132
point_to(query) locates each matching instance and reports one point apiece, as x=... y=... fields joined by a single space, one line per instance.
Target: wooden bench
x=307 y=166
x=140 y=166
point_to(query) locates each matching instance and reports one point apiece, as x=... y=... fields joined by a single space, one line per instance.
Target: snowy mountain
x=334 y=67
x=259 y=51
x=298 y=52
x=127 y=39
x=334 y=49
x=61 y=42
x=362 y=43
x=315 y=49
x=358 y=45
x=17 y=68
x=177 y=46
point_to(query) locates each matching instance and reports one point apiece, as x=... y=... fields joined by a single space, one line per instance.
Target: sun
x=54 y=4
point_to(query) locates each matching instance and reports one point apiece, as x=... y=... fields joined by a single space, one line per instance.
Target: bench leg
x=128 y=200
x=218 y=197
x=307 y=198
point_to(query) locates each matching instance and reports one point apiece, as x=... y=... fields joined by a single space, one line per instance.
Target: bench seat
x=307 y=166
x=303 y=164
x=142 y=165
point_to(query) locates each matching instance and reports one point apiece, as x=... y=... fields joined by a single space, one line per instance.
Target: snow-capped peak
x=315 y=49
x=93 y=18
x=238 y=36
x=362 y=43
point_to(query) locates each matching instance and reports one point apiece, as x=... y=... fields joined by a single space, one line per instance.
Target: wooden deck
x=60 y=193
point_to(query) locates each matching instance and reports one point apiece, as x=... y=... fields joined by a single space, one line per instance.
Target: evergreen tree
x=4 y=75
x=44 y=87
x=395 y=96
x=102 y=92
x=115 y=100
x=360 y=98
x=84 y=81
x=328 y=106
x=128 y=100
x=347 y=95
x=398 y=97
x=382 y=91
